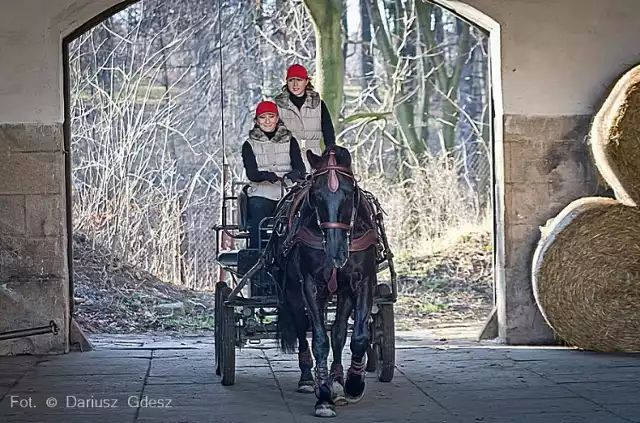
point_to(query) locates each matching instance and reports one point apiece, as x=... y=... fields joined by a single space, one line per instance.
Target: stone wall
x=34 y=285
x=547 y=165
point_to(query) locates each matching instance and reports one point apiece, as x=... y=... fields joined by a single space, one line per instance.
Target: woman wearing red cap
x=304 y=113
x=269 y=155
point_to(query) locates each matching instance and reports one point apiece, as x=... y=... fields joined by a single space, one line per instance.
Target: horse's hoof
x=355 y=399
x=337 y=394
x=355 y=388
x=325 y=410
x=306 y=387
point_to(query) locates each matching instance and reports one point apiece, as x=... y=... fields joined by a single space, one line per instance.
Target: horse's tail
x=286 y=328
x=286 y=325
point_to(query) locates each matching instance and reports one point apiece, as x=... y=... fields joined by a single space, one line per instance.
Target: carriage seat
x=242 y=209
x=228 y=258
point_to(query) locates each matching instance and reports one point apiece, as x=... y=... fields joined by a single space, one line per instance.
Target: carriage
x=247 y=301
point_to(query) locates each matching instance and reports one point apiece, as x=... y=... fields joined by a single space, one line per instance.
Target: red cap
x=266 y=107
x=297 y=71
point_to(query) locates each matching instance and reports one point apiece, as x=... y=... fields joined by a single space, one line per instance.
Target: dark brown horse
x=327 y=245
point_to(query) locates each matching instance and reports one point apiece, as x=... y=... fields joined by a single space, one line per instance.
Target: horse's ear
x=314 y=160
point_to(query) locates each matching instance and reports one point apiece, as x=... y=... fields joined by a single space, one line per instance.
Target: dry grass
x=443 y=245
x=427 y=207
x=113 y=296
x=587 y=275
x=445 y=273
x=448 y=281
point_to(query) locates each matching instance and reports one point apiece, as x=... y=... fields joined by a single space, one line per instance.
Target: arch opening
x=270 y=83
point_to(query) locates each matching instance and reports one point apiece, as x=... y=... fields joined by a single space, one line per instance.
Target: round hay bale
x=615 y=138
x=586 y=275
x=600 y=181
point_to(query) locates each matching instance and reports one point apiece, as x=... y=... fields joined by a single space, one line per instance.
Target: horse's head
x=333 y=196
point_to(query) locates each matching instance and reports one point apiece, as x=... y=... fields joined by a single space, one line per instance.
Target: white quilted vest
x=272 y=155
x=305 y=124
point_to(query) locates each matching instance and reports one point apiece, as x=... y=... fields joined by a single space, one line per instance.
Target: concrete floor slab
x=159 y=379
x=629 y=412
x=615 y=393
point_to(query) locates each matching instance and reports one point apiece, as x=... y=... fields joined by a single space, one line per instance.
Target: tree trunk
x=326 y=16
x=450 y=109
x=423 y=15
x=345 y=30
x=447 y=85
x=182 y=241
x=404 y=110
x=367 y=57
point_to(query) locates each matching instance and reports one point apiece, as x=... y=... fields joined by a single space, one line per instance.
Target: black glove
x=272 y=177
x=294 y=175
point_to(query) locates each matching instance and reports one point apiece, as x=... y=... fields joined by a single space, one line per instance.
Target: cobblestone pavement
x=162 y=379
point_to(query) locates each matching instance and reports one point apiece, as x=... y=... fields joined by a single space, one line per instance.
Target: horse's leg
x=305 y=359
x=360 y=339
x=338 y=339
x=320 y=345
x=293 y=321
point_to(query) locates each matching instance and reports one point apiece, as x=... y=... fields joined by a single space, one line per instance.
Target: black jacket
x=255 y=175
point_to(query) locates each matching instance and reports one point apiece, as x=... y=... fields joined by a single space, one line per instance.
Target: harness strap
x=333 y=281
x=297 y=201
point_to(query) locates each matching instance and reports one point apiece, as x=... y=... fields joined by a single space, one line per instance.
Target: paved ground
x=163 y=380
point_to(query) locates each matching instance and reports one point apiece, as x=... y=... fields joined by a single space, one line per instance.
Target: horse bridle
x=333 y=170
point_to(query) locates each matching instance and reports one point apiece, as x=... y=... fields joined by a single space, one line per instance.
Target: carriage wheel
x=385 y=345
x=228 y=340
x=218 y=325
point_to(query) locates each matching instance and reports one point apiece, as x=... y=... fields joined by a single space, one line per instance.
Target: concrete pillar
x=34 y=279
x=547 y=165
x=34 y=283
x=33 y=268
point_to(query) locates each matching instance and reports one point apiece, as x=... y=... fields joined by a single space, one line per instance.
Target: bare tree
x=156 y=87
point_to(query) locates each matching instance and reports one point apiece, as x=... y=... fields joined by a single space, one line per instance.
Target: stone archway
x=554 y=70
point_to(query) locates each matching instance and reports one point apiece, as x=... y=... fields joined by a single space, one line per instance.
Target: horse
x=327 y=246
